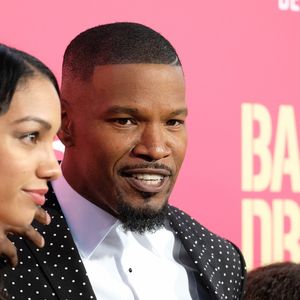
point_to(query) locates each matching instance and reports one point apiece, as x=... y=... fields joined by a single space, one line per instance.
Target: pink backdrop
x=242 y=65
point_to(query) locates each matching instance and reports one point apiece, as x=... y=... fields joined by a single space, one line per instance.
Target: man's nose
x=152 y=144
x=49 y=168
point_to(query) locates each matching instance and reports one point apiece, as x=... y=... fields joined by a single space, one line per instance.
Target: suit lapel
x=59 y=259
x=220 y=265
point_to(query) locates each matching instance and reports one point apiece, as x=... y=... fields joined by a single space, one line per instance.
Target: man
x=123 y=125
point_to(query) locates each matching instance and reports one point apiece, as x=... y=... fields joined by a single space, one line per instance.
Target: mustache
x=149 y=165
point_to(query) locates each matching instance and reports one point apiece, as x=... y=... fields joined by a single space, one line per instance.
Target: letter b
x=256 y=147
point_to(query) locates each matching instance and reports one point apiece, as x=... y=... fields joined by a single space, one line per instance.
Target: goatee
x=141 y=220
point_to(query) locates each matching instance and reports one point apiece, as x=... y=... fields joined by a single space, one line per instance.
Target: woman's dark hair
x=17 y=66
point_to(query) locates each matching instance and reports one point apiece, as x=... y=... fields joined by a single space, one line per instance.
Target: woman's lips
x=37 y=195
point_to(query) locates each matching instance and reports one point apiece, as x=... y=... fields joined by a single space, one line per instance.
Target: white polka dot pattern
x=220 y=263
x=54 y=272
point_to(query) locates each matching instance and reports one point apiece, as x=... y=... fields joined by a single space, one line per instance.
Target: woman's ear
x=65 y=133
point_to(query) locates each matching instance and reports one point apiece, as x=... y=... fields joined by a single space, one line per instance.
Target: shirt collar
x=88 y=223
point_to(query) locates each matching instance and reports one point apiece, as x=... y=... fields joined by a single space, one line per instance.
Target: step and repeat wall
x=241 y=59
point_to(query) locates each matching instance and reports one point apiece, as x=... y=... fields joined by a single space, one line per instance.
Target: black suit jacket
x=56 y=271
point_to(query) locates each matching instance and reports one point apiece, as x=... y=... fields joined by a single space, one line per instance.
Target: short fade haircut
x=116 y=43
x=275 y=281
x=15 y=67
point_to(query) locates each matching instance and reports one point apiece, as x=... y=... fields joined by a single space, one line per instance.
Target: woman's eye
x=30 y=138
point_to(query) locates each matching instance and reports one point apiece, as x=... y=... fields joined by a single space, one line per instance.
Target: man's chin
x=141 y=220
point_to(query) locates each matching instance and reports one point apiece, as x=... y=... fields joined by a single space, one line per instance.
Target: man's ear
x=65 y=133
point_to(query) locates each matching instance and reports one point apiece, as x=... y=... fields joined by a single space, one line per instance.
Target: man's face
x=128 y=135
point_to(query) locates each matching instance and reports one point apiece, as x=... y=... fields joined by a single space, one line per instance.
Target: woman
x=29 y=121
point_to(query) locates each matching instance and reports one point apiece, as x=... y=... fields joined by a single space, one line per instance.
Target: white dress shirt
x=126 y=265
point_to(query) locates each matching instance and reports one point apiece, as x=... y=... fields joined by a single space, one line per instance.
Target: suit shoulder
x=212 y=245
x=182 y=219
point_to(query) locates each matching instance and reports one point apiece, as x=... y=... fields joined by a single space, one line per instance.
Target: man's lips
x=148 y=180
x=38 y=195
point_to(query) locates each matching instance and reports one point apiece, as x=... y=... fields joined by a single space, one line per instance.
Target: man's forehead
x=133 y=68
x=130 y=81
x=137 y=77
x=135 y=110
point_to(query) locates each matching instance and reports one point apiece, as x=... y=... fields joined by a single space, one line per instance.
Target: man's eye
x=30 y=138
x=125 y=121
x=175 y=122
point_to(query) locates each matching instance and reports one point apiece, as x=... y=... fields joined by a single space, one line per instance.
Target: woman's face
x=27 y=159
